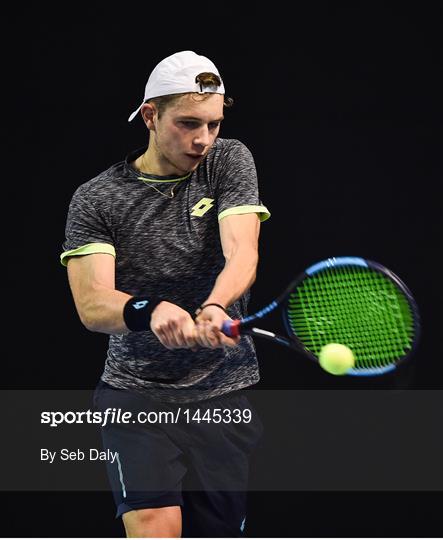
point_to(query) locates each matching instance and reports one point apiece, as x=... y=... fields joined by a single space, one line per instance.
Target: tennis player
x=161 y=248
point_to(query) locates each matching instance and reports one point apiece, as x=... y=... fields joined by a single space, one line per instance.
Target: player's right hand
x=173 y=326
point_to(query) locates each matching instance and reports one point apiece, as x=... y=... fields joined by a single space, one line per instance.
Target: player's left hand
x=208 y=329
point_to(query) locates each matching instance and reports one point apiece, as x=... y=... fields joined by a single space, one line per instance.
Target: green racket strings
x=357 y=307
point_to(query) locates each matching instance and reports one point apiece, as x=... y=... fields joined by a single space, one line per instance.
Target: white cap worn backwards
x=176 y=75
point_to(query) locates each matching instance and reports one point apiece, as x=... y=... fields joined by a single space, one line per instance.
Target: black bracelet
x=202 y=307
x=137 y=312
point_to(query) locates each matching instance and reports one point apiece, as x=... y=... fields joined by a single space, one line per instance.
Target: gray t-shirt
x=169 y=247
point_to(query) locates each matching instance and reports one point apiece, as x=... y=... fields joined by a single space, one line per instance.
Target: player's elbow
x=88 y=315
x=88 y=321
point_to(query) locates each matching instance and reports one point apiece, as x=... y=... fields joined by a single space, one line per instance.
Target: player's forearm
x=237 y=276
x=102 y=311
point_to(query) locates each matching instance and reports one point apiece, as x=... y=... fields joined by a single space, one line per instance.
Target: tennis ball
x=336 y=359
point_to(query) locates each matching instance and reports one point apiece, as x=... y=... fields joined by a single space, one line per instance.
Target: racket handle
x=231 y=328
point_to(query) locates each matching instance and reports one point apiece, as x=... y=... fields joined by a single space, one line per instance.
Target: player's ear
x=149 y=114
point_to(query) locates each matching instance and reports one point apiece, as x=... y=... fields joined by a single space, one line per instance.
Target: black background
x=340 y=105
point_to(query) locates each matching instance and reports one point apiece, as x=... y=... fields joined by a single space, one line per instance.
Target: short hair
x=204 y=79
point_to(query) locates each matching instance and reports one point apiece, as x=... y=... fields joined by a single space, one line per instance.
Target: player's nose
x=202 y=137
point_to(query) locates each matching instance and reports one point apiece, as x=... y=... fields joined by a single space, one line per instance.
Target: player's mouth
x=195 y=156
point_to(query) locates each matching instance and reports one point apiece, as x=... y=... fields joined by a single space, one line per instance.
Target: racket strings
x=372 y=320
x=358 y=307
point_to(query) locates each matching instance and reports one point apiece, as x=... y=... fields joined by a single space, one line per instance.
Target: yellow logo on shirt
x=202 y=207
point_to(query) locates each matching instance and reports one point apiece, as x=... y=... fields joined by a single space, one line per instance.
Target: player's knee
x=153 y=522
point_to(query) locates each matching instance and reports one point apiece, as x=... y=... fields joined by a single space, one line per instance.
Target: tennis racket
x=346 y=300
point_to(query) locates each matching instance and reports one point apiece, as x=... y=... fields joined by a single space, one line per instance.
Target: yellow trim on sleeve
x=261 y=211
x=87 y=249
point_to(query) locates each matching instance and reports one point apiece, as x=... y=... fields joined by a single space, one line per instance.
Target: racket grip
x=231 y=328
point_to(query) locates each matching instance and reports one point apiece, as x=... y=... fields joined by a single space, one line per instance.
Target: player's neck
x=150 y=162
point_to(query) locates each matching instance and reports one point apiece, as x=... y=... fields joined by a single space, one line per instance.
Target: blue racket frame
x=247 y=325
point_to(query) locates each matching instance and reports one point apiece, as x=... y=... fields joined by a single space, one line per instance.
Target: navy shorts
x=193 y=455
